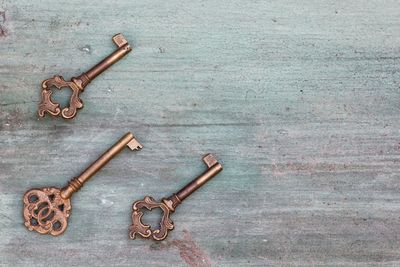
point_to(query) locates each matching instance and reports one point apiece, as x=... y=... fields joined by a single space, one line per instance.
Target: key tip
x=134 y=144
x=119 y=40
x=210 y=160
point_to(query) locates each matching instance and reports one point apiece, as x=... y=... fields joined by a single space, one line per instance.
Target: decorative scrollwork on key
x=138 y=227
x=45 y=211
x=47 y=105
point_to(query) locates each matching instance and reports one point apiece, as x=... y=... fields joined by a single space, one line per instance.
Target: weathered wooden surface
x=299 y=99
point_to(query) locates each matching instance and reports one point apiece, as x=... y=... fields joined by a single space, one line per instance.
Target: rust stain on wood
x=189 y=251
x=3 y=19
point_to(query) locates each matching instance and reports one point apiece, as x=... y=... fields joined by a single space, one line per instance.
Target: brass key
x=46 y=210
x=78 y=84
x=168 y=205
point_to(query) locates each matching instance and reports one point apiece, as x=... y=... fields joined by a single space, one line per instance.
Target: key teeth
x=119 y=40
x=134 y=144
x=210 y=160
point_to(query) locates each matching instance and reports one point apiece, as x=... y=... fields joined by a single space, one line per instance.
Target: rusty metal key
x=77 y=84
x=168 y=205
x=46 y=210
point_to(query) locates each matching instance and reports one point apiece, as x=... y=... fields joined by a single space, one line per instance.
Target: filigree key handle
x=77 y=84
x=168 y=205
x=46 y=210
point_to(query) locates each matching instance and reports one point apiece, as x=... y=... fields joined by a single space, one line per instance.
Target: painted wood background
x=299 y=99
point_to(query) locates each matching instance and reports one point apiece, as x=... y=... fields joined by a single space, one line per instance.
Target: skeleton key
x=78 y=84
x=168 y=205
x=46 y=210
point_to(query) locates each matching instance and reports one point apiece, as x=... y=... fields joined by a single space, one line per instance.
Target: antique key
x=78 y=84
x=168 y=205
x=46 y=210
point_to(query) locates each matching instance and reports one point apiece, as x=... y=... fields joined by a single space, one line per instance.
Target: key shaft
x=123 y=49
x=214 y=167
x=75 y=184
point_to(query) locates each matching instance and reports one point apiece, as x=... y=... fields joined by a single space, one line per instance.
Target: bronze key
x=168 y=205
x=78 y=84
x=46 y=210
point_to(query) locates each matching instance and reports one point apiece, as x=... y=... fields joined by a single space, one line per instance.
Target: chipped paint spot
x=86 y=49
x=11 y=118
x=282 y=132
x=106 y=203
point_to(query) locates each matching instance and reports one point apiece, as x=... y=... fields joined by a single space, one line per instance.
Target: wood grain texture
x=298 y=99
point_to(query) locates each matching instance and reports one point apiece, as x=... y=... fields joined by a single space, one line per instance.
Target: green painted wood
x=299 y=100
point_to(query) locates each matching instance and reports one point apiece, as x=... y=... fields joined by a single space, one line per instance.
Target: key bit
x=47 y=210
x=168 y=205
x=77 y=84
